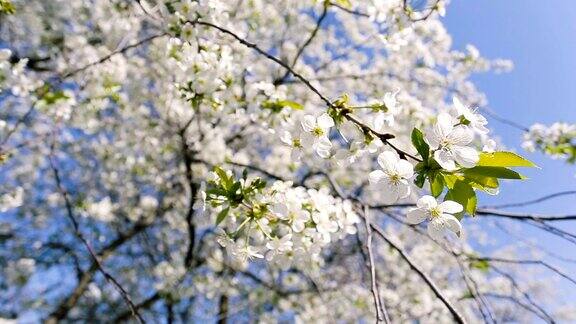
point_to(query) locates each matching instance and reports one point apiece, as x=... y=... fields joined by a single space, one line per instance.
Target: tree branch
x=381 y=313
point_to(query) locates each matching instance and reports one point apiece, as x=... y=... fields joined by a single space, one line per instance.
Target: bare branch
x=350 y=11
x=381 y=313
x=306 y=43
x=538 y=200
x=525 y=216
x=109 y=56
x=93 y=255
x=385 y=138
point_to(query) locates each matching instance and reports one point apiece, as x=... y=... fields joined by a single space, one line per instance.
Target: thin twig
x=307 y=42
x=78 y=233
x=109 y=56
x=537 y=200
x=385 y=138
x=381 y=313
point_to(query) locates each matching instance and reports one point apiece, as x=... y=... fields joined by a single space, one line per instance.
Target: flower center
x=395 y=178
x=318 y=131
x=296 y=142
x=435 y=212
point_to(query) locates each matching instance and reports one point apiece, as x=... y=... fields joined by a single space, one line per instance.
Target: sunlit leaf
x=503 y=159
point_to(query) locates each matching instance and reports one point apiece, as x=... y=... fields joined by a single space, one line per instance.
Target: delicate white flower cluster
x=199 y=69
x=453 y=134
x=297 y=225
x=15 y=76
x=557 y=140
x=314 y=134
x=11 y=200
x=20 y=270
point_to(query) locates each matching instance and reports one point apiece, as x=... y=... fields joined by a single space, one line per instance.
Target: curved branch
x=383 y=137
x=537 y=200
x=524 y=216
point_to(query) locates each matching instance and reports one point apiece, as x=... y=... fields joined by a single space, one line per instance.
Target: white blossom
x=450 y=144
x=440 y=216
x=316 y=133
x=394 y=177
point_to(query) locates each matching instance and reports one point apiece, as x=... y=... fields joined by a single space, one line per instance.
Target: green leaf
x=7 y=7
x=436 y=183
x=222 y=215
x=420 y=178
x=463 y=194
x=226 y=181
x=291 y=104
x=420 y=144
x=277 y=106
x=450 y=179
x=503 y=159
x=494 y=172
x=480 y=264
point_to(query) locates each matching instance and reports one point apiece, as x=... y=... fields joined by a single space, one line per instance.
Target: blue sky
x=540 y=38
x=541 y=41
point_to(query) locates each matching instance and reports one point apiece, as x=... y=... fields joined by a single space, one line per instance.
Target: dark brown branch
x=381 y=313
x=306 y=43
x=538 y=200
x=525 y=216
x=109 y=56
x=193 y=187
x=536 y=262
x=383 y=137
x=350 y=11
x=94 y=256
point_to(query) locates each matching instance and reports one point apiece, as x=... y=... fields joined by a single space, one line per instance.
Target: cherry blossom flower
x=470 y=117
x=394 y=177
x=440 y=216
x=316 y=133
x=450 y=144
x=386 y=115
x=279 y=246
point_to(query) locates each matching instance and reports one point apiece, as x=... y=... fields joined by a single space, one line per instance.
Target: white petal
x=461 y=135
x=427 y=202
x=379 y=122
x=405 y=169
x=444 y=158
x=286 y=138
x=325 y=121
x=443 y=126
x=460 y=108
x=465 y=156
x=322 y=147
x=387 y=161
x=416 y=216
x=308 y=123
x=403 y=190
x=433 y=139
x=436 y=229
x=307 y=140
x=451 y=207
x=376 y=176
x=452 y=223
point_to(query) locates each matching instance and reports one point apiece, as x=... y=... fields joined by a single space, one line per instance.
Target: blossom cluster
x=138 y=117
x=557 y=140
x=286 y=224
